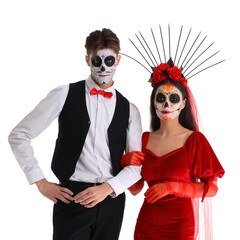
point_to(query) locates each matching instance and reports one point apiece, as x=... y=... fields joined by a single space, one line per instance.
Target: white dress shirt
x=94 y=164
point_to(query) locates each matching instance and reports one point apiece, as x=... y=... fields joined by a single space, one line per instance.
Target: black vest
x=74 y=124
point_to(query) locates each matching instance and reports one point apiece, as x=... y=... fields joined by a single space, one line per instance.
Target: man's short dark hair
x=102 y=39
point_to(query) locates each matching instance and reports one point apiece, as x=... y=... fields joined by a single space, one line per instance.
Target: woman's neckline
x=172 y=151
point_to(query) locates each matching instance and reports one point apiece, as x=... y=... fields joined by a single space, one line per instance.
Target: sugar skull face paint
x=168 y=102
x=103 y=67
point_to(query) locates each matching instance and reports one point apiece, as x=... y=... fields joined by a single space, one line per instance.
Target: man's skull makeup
x=168 y=102
x=103 y=67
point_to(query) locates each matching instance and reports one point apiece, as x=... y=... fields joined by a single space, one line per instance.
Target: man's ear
x=87 y=60
x=118 y=59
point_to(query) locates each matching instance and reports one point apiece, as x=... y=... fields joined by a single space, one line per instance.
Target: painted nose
x=102 y=69
x=166 y=104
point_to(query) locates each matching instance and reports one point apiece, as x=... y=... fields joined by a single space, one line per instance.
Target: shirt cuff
x=116 y=186
x=34 y=175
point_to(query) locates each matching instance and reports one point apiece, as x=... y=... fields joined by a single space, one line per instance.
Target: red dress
x=172 y=217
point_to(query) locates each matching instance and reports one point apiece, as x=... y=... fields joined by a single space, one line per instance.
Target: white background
x=42 y=47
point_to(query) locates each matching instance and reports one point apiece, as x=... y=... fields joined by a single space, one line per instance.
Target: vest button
x=89 y=122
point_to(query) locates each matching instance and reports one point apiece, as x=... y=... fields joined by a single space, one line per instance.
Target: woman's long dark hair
x=186 y=117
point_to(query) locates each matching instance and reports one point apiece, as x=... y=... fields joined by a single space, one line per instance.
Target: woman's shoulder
x=198 y=134
x=196 y=138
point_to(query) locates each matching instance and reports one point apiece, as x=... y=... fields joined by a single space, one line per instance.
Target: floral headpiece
x=171 y=70
x=167 y=70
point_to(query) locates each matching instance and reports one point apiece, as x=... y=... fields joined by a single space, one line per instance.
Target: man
x=96 y=125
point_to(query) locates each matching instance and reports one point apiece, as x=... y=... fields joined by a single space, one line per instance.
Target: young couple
x=97 y=125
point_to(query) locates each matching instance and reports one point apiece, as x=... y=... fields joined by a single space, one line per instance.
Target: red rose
x=184 y=81
x=162 y=66
x=153 y=84
x=158 y=76
x=174 y=73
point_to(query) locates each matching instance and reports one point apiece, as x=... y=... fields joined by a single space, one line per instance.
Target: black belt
x=80 y=184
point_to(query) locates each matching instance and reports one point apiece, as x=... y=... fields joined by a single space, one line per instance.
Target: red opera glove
x=180 y=189
x=157 y=192
x=193 y=190
x=134 y=158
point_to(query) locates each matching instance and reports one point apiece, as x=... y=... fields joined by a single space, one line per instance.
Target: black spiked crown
x=183 y=66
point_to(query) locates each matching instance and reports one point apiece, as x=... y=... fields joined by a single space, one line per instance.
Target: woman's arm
x=180 y=189
x=192 y=190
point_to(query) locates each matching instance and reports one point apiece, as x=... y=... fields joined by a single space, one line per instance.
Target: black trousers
x=75 y=222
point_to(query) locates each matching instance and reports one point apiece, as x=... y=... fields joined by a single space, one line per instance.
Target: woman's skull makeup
x=168 y=102
x=103 y=67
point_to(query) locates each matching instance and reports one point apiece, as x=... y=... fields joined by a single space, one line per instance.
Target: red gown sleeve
x=204 y=163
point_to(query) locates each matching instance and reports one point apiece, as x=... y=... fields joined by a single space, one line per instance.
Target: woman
x=177 y=156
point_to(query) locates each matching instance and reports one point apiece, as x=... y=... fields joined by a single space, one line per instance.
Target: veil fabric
x=202 y=210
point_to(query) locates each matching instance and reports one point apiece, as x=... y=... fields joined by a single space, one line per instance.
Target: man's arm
x=30 y=127
x=126 y=177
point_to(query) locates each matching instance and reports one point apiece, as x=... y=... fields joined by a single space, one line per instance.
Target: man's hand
x=93 y=195
x=53 y=191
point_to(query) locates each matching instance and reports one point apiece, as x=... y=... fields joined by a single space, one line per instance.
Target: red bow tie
x=94 y=91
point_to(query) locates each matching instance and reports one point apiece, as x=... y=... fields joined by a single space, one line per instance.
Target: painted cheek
x=158 y=105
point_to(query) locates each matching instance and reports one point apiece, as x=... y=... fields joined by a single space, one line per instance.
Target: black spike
x=178 y=44
x=162 y=43
x=184 y=45
x=170 y=62
x=135 y=61
x=169 y=38
x=191 y=48
x=202 y=63
x=195 y=52
x=156 y=46
x=198 y=57
x=145 y=49
x=148 y=47
x=140 y=53
x=207 y=68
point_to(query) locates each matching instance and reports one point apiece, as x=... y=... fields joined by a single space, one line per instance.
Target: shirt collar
x=91 y=84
